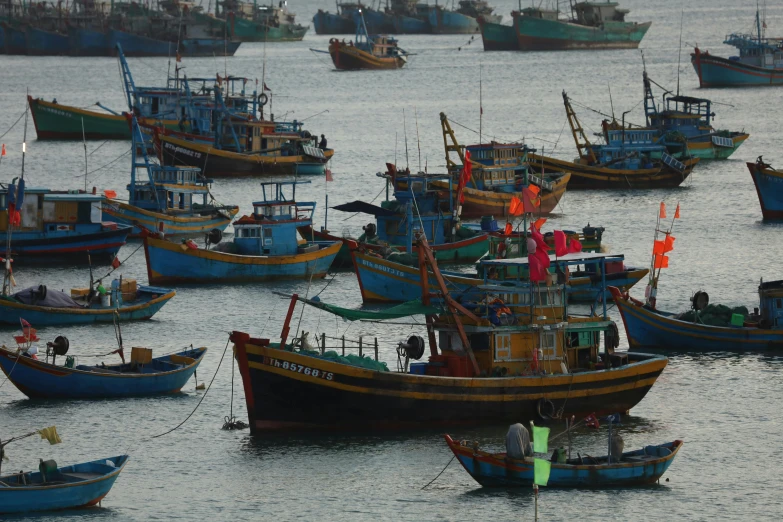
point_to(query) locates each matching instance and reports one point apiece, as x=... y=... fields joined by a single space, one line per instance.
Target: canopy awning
x=364 y=208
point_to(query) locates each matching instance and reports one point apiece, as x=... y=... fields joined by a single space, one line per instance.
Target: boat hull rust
x=714 y=71
x=170 y=263
x=41 y=380
x=769 y=188
x=496 y=470
x=290 y=391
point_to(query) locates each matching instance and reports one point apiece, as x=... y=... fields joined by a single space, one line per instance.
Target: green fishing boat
x=250 y=22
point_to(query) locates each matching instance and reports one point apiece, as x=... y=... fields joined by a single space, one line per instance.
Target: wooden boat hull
x=536 y=34
x=40 y=380
x=68 y=247
x=636 y=468
x=11 y=311
x=498 y=37
x=348 y=58
x=480 y=203
x=464 y=251
x=329 y=23
x=769 y=188
x=84 y=485
x=714 y=71
x=169 y=263
x=660 y=330
x=286 y=390
x=585 y=177
x=706 y=150
x=175 y=225
x=218 y=163
x=384 y=281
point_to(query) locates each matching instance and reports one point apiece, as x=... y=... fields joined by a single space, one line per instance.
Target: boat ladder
x=673 y=163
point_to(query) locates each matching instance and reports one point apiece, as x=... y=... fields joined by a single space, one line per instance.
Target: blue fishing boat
x=44 y=306
x=769 y=183
x=684 y=124
x=40 y=42
x=648 y=327
x=410 y=17
x=341 y=22
x=15 y=38
x=141 y=376
x=139 y=45
x=168 y=200
x=67 y=487
x=376 y=21
x=59 y=226
x=391 y=280
x=760 y=61
x=462 y=20
x=632 y=468
x=83 y=41
x=265 y=247
x=416 y=205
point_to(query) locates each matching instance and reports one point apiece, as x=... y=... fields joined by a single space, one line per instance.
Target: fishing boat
x=625 y=161
x=760 y=61
x=367 y=51
x=415 y=205
x=265 y=247
x=49 y=307
x=497 y=36
x=166 y=201
x=499 y=173
x=54 y=488
x=342 y=22
x=684 y=124
x=768 y=182
x=54 y=121
x=59 y=226
x=514 y=366
x=632 y=468
x=410 y=17
x=140 y=45
x=143 y=375
x=251 y=22
x=591 y=25
x=391 y=280
x=462 y=20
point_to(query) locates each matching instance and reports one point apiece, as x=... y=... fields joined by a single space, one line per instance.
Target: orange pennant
x=535 y=189
x=668 y=244
x=515 y=208
x=661 y=261
x=539 y=223
x=508 y=230
x=3 y=152
x=110 y=193
x=677 y=212
x=662 y=212
x=658 y=247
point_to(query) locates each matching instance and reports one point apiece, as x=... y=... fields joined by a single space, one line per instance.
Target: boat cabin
x=170 y=190
x=761 y=52
x=45 y=210
x=271 y=229
x=504 y=167
x=542 y=14
x=595 y=14
x=771 y=304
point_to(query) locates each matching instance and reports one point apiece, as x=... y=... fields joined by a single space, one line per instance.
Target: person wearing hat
x=322 y=145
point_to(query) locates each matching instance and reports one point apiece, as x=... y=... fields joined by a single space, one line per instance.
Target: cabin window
x=182 y=201
x=779 y=303
x=549 y=344
x=503 y=347
x=3 y=200
x=170 y=198
x=267 y=235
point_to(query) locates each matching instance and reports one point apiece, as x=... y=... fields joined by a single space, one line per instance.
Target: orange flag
x=516 y=207
x=508 y=230
x=539 y=223
x=535 y=189
x=110 y=193
x=661 y=261
x=3 y=153
x=677 y=212
x=662 y=212
x=668 y=244
x=658 y=247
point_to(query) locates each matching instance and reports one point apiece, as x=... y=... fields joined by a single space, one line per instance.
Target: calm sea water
x=726 y=407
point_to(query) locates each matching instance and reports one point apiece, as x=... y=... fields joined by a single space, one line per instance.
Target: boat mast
x=583 y=145
x=19 y=189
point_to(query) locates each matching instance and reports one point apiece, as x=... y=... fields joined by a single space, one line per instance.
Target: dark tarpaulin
x=364 y=208
x=53 y=299
x=407 y=309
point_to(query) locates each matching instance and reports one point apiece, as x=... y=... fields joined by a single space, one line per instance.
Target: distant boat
x=166 y=201
x=265 y=247
x=462 y=20
x=251 y=22
x=769 y=188
x=74 y=486
x=61 y=227
x=592 y=26
x=634 y=468
x=367 y=51
x=140 y=377
x=499 y=37
x=342 y=22
x=685 y=126
x=760 y=61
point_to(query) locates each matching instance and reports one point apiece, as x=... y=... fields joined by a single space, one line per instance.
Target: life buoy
x=545 y=409
x=263 y=99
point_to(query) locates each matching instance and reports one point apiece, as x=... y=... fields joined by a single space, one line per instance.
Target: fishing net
x=715 y=315
x=365 y=362
x=407 y=309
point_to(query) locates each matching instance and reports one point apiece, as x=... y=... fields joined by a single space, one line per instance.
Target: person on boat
x=54 y=101
x=322 y=145
x=518 y=442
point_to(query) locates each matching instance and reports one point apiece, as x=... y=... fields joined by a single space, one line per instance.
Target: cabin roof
x=687 y=99
x=73 y=197
x=577 y=258
x=364 y=208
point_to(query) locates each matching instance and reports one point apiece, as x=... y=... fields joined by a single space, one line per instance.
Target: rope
x=231 y=422
x=441 y=473
x=104 y=166
x=202 y=397
x=8 y=376
x=14 y=124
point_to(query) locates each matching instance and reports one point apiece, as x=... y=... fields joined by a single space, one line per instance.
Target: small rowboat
x=75 y=486
x=635 y=468
x=42 y=380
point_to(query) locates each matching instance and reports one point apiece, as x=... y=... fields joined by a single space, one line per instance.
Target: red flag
x=561 y=248
x=658 y=247
x=110 y=193
x=508 y=230
x=16 y=219
x=115 y=263
x=677 y=212
x=537 y=272
x=3 y=153
x=25 y=324
x=591 y=421
x=574 y=246
x=662 y=212
x=661 y=261
x=668 y=244
x=539 y=223
x=515 y=207
x=329 y=175
x=267 y=88
x=467 y=169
